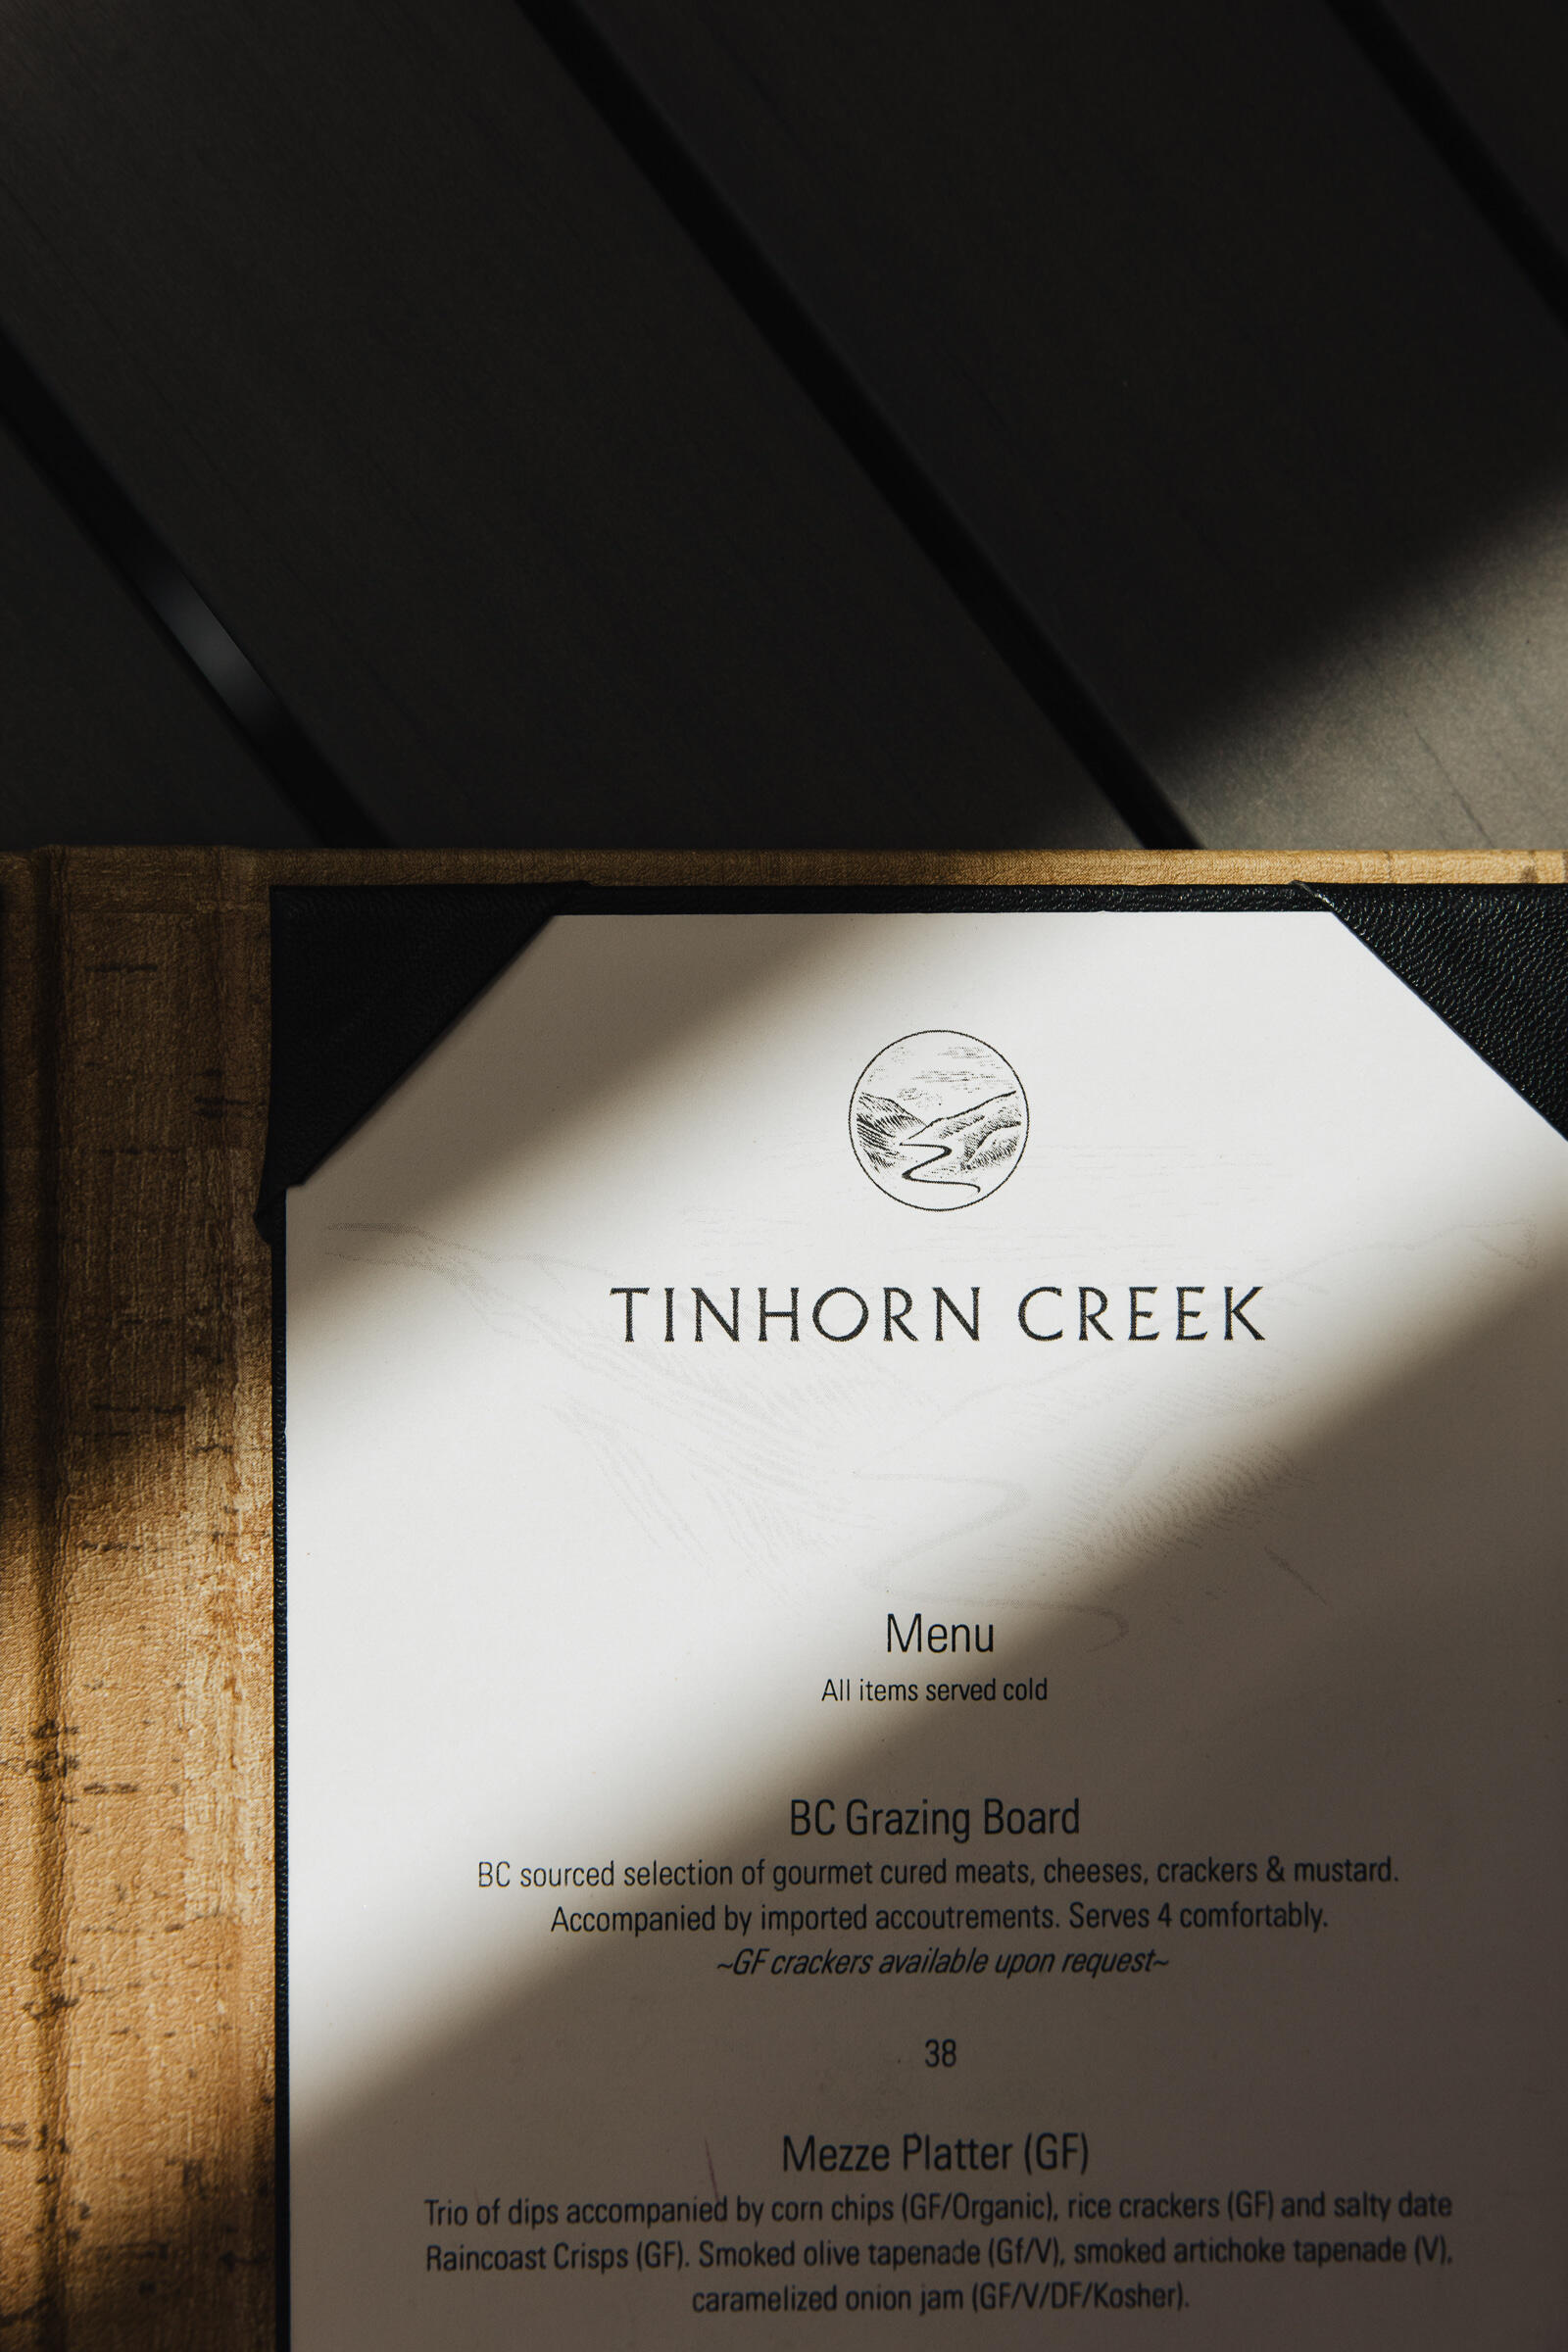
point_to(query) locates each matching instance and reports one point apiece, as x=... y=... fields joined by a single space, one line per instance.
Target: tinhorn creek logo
x=938 y=1119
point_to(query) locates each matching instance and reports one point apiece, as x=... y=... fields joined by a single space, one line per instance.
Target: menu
x=924 y=1651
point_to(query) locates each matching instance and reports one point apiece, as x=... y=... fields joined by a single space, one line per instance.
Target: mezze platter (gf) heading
x=922 y=1643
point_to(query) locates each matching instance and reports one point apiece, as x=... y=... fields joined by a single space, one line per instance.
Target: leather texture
x=1490 y=958
x=365 y=980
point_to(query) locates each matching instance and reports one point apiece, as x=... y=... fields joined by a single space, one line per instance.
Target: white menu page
x=924 y=1652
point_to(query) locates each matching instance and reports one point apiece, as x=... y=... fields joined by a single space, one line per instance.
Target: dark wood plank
x=486 y=474
x=105 y=735
x=1503 y=66
x=1190 y=324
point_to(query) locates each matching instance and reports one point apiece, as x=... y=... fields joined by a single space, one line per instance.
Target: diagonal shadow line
x=199 y=2247
x=665 y=1021
x=147 y=567
x=1262 y=1650
x=1396 y=57
x=143 y=2282
x=794 y=339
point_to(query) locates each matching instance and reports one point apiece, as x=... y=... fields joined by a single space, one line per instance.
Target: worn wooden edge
x=136 y=1773
x=30 y=2040
x=134 y=870
x=136 y=1792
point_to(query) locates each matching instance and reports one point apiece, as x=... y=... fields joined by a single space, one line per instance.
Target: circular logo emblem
x=938 y=1119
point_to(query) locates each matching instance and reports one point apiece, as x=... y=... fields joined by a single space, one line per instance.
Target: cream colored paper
x=558 y=1600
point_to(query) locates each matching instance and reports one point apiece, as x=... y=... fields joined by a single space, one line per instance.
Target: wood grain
x=141 y=2213
x=136 y=2192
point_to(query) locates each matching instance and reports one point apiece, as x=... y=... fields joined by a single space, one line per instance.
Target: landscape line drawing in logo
x=938 y=1119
